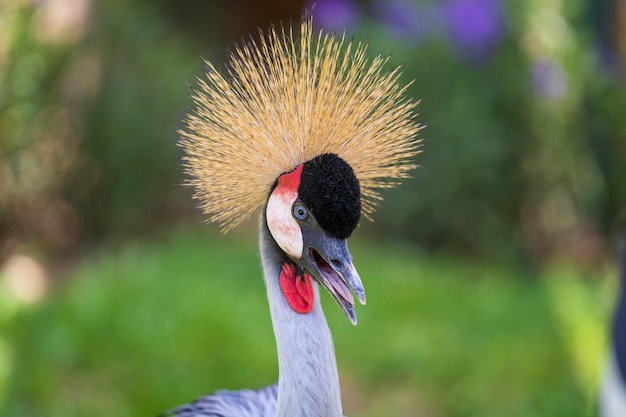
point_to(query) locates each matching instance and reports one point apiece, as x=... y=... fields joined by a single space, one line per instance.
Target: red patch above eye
x=297 y=289
x=290 y=181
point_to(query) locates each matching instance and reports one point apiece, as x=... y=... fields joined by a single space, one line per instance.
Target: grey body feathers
x=244 y=403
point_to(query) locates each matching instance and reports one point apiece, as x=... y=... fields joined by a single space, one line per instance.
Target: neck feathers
x=308 y=383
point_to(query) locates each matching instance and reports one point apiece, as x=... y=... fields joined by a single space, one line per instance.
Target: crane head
x=310 y=213
x=322 y=126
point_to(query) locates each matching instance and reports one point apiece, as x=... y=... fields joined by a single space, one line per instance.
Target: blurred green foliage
x=145 y=67
x=88 y=118
x=136 y=331
x=520 y=152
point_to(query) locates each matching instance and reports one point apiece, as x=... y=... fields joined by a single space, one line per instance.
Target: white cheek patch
x=284 y=228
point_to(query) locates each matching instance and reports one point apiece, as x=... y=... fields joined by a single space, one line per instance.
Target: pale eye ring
x=299 y=211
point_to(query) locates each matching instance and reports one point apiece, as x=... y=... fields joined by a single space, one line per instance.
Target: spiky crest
x=284 y=101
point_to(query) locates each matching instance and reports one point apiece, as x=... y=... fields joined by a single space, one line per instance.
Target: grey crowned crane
x=307 y=128
x=613 y=390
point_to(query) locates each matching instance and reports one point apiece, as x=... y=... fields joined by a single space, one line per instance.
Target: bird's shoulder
x=224 y=403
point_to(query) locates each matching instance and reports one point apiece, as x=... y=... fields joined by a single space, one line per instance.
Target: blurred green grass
x=137 y=330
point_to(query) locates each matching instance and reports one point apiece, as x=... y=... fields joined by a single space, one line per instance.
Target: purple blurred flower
x=475 y=26
x=408 y=20
x=549 y=79
x=335 y=15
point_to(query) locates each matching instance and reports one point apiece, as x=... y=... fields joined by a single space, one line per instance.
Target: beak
x=328 y=260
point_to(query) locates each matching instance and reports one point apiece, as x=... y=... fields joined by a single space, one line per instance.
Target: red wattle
x=297 y=289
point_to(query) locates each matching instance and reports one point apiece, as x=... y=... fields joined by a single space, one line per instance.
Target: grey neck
x=308 y=383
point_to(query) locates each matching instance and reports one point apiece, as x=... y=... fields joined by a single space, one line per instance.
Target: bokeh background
x=490 y=275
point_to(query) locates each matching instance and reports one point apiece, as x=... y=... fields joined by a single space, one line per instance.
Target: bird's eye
x=300 y=212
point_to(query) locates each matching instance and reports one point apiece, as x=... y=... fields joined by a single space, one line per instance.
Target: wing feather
x=224 y=403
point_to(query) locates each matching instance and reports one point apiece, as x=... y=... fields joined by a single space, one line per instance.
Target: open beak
x=328 y=260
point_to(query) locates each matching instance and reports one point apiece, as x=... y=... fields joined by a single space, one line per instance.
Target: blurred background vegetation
x=498 y=275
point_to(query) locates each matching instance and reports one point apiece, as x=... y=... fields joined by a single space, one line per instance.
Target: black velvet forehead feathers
x=332 y=194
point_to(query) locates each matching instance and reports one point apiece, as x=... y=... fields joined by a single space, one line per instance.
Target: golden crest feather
x=284 y=101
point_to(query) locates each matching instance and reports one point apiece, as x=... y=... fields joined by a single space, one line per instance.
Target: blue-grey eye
x=300 y=212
